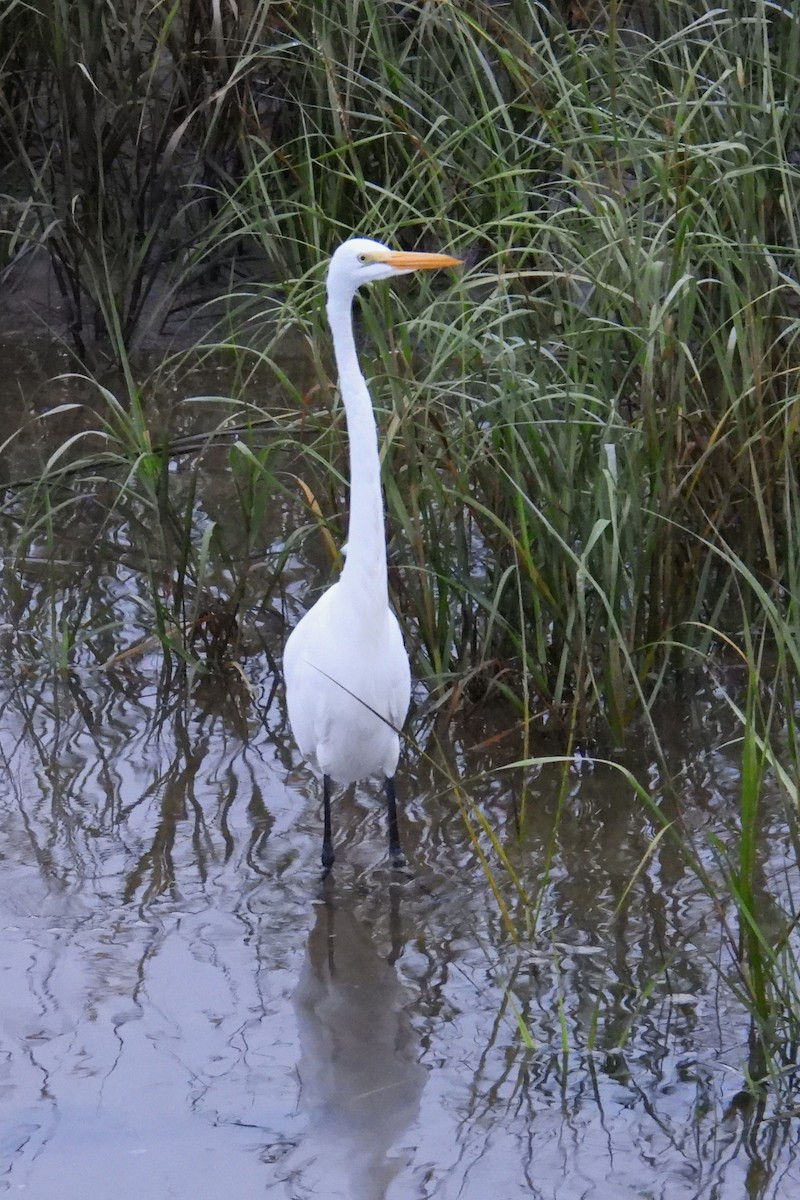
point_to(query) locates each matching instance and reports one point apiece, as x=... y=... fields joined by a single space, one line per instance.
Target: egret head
x=361 y=260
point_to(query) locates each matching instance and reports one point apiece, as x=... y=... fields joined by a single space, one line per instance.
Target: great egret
x=348 y=681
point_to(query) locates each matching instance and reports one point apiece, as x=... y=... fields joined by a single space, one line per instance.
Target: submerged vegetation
x=590 y=437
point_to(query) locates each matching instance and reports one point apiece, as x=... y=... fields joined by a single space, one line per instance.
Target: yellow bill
x=412 y=260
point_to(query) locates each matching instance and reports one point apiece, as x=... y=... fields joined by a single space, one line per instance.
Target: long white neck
x=365 y=562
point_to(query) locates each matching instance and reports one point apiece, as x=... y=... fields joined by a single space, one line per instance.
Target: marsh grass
x=125 y=519
x=589 y=435
x=609 y=390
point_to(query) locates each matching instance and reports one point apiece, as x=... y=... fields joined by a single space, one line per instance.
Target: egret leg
x=395 y=853
x=327 y=841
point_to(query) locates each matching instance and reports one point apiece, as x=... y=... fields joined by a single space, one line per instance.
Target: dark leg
x=395 y=853
x=327 y=842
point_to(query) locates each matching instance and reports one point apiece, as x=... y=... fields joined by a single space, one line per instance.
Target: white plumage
x=346 y=706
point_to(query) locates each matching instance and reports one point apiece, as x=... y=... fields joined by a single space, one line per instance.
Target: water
x=189 y=1011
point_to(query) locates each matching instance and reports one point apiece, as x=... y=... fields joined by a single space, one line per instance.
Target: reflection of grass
x=589 y=437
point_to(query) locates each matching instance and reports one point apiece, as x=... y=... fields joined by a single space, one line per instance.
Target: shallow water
x=189 y=1011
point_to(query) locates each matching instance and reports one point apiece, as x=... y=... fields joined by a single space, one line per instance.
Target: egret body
x=348 y=681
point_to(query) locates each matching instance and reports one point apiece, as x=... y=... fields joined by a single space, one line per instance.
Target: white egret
x=348 y=681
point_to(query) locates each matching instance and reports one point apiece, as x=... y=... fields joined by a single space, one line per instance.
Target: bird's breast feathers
x=348 y=687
